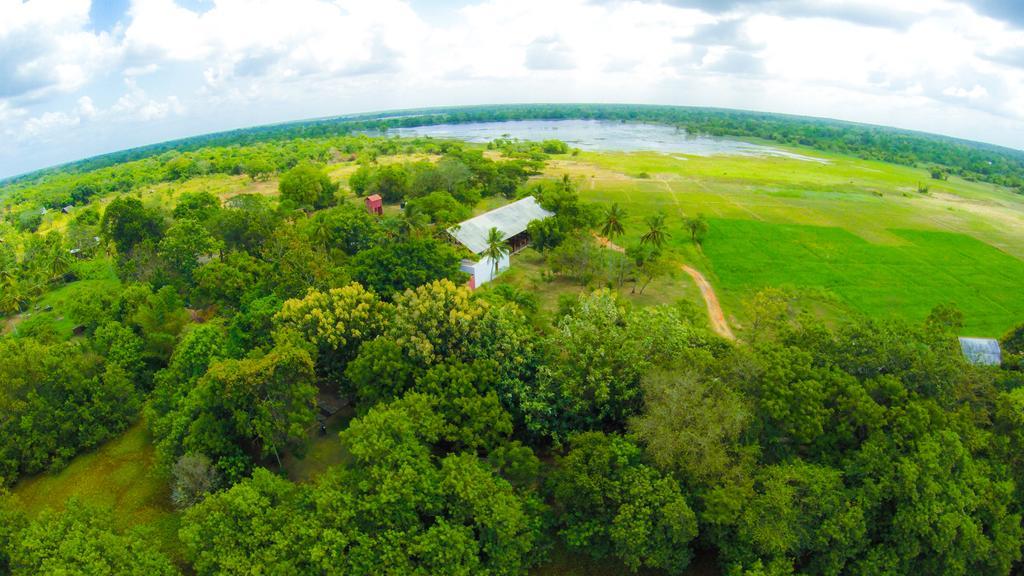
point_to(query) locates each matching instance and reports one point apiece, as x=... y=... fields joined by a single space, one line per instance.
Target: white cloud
x=46 y=48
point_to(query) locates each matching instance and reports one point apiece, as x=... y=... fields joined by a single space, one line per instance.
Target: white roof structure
x=984 y=351
x=510 y=219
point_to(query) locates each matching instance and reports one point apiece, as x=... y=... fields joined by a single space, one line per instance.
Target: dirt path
x=715 y=314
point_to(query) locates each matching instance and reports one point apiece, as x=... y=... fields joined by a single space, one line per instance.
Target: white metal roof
x=510 y=219
x=981 y=351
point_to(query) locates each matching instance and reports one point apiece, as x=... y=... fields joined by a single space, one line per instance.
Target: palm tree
x=320 y=231
x=613 y=218
x=496 y=247
x=656 y=234
x=59 y=262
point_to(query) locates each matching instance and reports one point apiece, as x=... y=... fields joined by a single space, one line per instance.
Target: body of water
x=601 y=135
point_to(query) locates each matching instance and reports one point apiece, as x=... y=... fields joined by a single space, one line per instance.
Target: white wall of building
x=483 y=270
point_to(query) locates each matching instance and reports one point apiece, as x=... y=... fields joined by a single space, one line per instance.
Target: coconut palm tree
x=613 y=218
x=496 y=247
x=320 y=230
x=60 y=261
x=656 y=234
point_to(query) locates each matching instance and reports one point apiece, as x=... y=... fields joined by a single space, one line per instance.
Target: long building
x=511 y=220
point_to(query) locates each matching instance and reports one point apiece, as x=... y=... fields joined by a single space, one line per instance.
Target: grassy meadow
x=845 y=235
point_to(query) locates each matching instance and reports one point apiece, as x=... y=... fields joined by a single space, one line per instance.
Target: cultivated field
x=846 y=235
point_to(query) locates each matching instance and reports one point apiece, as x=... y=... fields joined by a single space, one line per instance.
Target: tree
x=184 y=244
x=126 y=223
x=308 y=186
x=161 y=317
x=337 y=322
x=82 y=540
x=260 y=525
x=797 y=518
x=199 y=206
x=268 y=402
x=58 y=258
x=1013 y=341
x=616 y=506
x=698 y=228
x=656 y=234
x=691 y=425
x=496 y=248
x=228 y=281
x=194 y=477
x=394 y=267
x=592 y=379
x=391 y=181
x=58 y=399
x=611 y=226
x=649 y=264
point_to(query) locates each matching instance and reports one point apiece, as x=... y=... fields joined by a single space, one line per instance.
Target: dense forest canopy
x=481 y=432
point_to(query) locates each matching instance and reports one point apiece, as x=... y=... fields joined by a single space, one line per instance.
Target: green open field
x=120 y=475
x=848 y=235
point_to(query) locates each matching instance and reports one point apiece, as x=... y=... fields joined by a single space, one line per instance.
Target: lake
x=599 y=135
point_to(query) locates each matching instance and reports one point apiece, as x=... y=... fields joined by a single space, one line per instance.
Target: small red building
x=374 y=204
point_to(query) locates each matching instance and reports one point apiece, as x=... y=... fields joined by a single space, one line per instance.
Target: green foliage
x=255 y=526
x=396 y=509
x=594 y=376
x=82 y=540
x=614 y=505
x=691 y=425
x=611 y=223
x=227 y=281
x=441 y=207
x=199 y=348
x=185 y=242
x=336 y=322
x=58 y=400
x=307 y=185
x=346 y=227
x=266 y=402
x=127 y=223
x=199 y=206
x=394 y=267
x=160 y=318
x=698 y=228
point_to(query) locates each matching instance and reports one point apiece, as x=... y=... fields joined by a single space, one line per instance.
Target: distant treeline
x=971 y=160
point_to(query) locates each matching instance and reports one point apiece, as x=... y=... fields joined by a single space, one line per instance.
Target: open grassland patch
x=906 y=280
x=121 y=475
x=855 y=233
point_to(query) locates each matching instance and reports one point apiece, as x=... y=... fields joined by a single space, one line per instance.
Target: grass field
x=119 y=475
x=855 y=235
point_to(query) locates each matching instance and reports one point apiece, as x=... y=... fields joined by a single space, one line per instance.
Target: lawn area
x=909 y=279
x=527 y=273
x=99 y=276
x=120 y=475
x=850 y=235
x=323 y=451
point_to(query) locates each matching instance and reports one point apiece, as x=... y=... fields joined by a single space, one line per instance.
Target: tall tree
x=496 y=249
x=612 y=227
x=308 y=186
x=698 y=229
x=656 y=234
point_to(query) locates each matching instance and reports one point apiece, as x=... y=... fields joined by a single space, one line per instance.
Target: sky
x=80 y=78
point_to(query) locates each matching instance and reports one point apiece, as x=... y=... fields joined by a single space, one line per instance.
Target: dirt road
x=715 y=314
